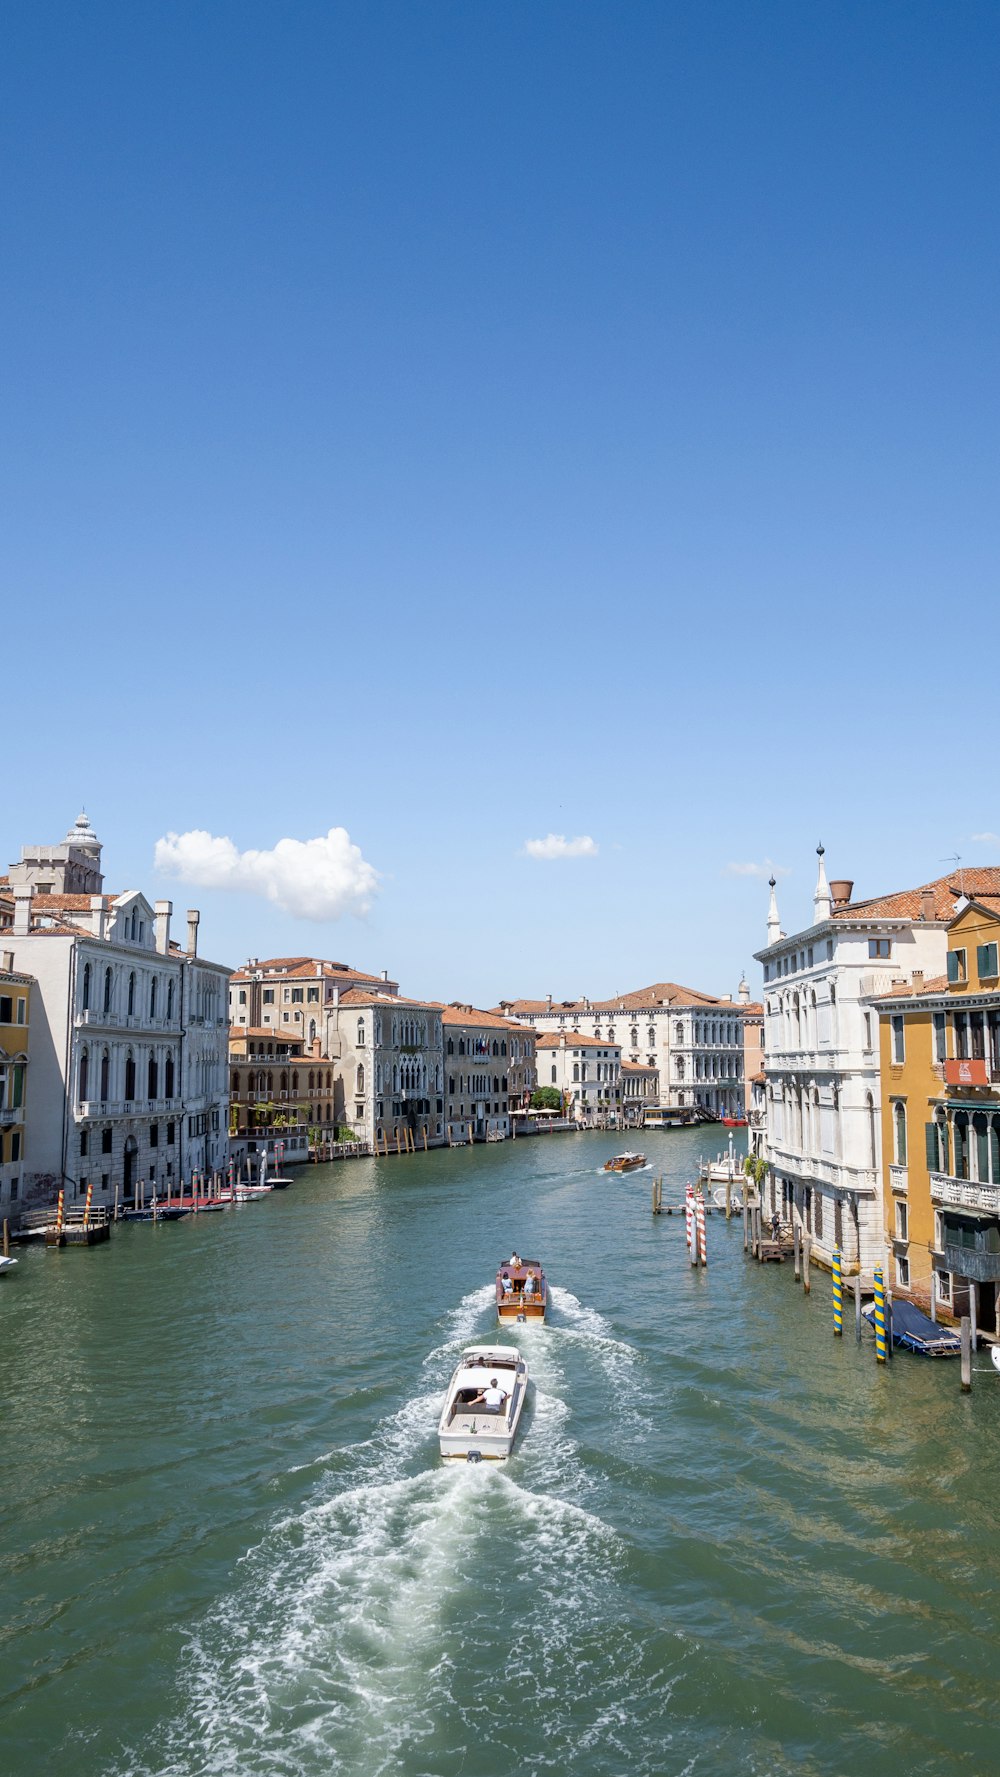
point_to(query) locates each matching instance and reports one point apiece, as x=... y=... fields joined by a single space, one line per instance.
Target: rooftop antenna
x=956 y=859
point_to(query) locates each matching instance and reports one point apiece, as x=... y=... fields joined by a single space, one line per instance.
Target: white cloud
x=986 y=838
x=764 y=870
x=556 y=845
x=311 y=878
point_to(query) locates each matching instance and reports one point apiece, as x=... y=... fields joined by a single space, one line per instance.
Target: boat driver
x=492 y=1398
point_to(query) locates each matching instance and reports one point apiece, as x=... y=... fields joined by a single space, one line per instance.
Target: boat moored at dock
x=483 y=1405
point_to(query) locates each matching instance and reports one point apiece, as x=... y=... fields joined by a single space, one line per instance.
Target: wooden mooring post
x=657 y=1196
x=965 y=1333
x=806 y=1260
x=746 y=1226
x=856 y=1280
x=6 y=1238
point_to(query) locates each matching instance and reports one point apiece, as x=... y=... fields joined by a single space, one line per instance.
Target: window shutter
x=986 y=961
x=953 y=965
x=930 y=1136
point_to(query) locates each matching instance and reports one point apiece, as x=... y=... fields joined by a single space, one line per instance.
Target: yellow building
x=15 y=1019
x=940 y=1078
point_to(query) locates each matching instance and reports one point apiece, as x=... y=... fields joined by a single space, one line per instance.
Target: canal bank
x=727 y=1542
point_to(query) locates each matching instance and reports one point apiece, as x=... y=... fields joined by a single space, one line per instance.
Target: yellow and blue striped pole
x=879 y=1317
x=838 y=1298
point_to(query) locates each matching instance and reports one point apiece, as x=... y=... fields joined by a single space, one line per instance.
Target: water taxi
x=626 y=1162
x=482 y=1408
x=522 y=1293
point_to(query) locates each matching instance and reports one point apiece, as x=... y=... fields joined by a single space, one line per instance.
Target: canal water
x=726 y=1545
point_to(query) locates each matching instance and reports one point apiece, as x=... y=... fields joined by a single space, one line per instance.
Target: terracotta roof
x=908 y=903
x=452 y=1014
x=264 y=1030
x=356 y=996
x=575 y=1039
x=661 y=994
x=750 y=1006
x=906 y=989
x=68 y=903
x=293 y=968
x=638 y=1067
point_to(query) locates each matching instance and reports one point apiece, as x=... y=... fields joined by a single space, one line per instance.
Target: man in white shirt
x=492 y=1398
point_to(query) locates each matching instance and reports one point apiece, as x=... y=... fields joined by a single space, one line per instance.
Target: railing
x=898 y=1178
x=10 y=1113
x=964 y=1193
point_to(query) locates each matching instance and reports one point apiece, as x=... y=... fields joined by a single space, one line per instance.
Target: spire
x=821 y=899
x=744 y=988
x=773 y=922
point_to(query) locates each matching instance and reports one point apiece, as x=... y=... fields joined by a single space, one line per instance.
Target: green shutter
x=953 y=965
x=930 y=1136
x=986 y=961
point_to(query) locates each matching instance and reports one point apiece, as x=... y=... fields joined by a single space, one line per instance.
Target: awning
x=967 y=1104
x=969 y=1215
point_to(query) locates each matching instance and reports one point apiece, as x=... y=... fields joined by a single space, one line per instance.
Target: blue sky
x=461 y=423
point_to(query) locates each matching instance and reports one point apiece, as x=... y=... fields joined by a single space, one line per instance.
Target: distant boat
x=735 y=1200
x=734 y=1122
x=469 y=1429
x=626 y=1162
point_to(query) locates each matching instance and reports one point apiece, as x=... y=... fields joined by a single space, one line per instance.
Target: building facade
x=129 y=1078
x=15 y=1030
x=389 y=1073
x=694 y=1041
x=586 y=1070
x=940 y=1124
x=479 y=1060
x=821 y=1042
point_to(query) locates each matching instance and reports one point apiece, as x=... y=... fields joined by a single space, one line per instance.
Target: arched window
x=170 y=998
x=359 y=1085
x=235 y=1085
x=108 y=983
x=130 y=1076
x=899 y=1132
x=361 y=1033
x=312 y=1079
x=651 y=1033
x=152 y=998
x=84 y=1075
x=86 y=987
x=576 y=1073
x=105 y=1075
x=553 y=1076
x=451 y=1046
x=312 y=1030
x=153 y=1072
x=329 y=1079
x=295 y=1081
x=872 y=1133
x=168 y=1077
x=131 y=989
x=679 y=1067
x=634 y=1036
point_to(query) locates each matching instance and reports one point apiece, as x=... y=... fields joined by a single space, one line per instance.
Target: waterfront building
x=940 y=1121
x=15 y=1028
x=295 y=993
x=823 y=1083
x=388 y=1066
x=693 y=1040
x=585 y=1069
x=277 y=1091
x=640 y=1086
x=128 y=1068
x=478 y=1061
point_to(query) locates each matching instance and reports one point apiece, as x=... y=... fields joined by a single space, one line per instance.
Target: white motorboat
x=5 y=1264
x=735 y=1200
x=469 y=1428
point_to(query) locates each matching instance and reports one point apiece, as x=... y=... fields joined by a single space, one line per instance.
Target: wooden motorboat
x=734 y=1122
x=627 y=1162
x=471 y=1430
x=522 y=1292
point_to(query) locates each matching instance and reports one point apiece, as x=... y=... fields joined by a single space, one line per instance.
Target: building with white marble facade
x=129 y=1045
x=821 y=1051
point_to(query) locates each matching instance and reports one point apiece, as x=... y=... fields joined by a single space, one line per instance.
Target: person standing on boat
x=506 y=1284
x=529 y=1284
x=492 y=1398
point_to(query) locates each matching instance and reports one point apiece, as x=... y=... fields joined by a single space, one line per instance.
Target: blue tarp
x=914 y=1330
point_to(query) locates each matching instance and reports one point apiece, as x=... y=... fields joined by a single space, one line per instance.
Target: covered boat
x=483 y=1406
x=912 y=1329
x=522 y=1292
x=627 y=1162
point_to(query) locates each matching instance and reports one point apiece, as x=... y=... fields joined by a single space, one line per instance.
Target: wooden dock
x=77 y=1228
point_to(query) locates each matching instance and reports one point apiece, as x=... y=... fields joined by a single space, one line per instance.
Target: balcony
x=898 y=1178
x=10 y=1114
x=957 y=1193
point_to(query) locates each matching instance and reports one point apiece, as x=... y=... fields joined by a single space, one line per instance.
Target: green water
x=726 y=1544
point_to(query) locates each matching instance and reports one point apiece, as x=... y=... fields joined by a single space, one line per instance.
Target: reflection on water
x=724 y=1544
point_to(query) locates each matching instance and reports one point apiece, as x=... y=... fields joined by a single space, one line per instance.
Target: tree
x=546 y=1098
x=756 y=1169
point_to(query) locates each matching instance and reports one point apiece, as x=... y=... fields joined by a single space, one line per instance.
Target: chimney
x=841 y=892
x=385 y=974
x=22 y=912
x=163 y=910
x=550 y=1002
x=193 y=919
x=918 y=980
x=336 y=995
x=319 y=970
x=8 y=960
x=927 y=903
